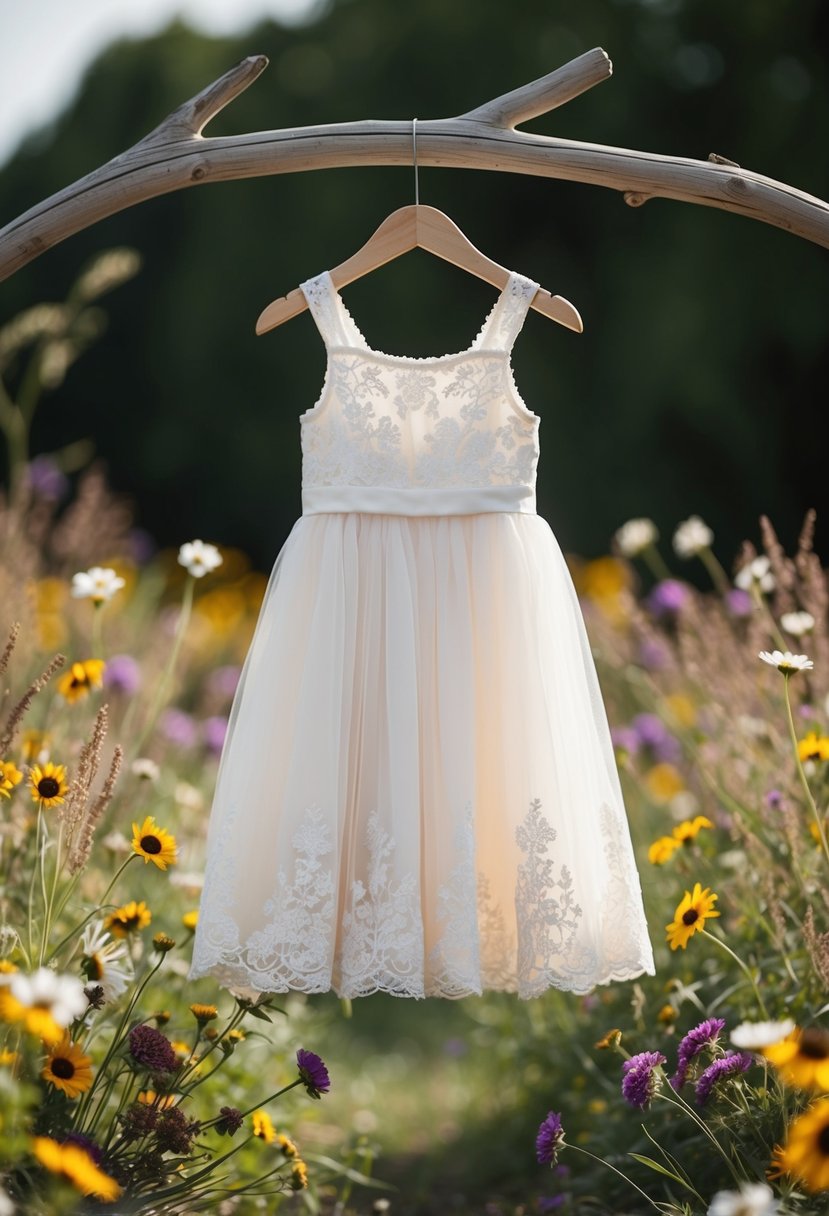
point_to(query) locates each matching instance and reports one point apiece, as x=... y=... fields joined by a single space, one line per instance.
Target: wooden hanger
x=423 y=227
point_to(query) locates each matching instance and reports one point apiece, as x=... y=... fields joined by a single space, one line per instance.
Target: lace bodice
x=447 y=434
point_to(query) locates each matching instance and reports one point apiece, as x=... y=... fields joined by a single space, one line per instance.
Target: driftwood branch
x=176 y=155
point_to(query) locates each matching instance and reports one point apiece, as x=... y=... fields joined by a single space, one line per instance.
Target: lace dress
x=418 y=793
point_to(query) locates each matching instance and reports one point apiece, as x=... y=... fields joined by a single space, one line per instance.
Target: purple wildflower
x=738 y=602
x=46 y=479
x=654 y=734
x=626 y=738
x=152 y=1049
x=454 y=1048
x=213 y=732
x=123 y=673
x=639 y=1077
x=774 y=799
x=223 y=680
x=313 y=1073
x=550 y=1139
x=732 y=1062
x=704 y=1035
x=668 y=596
x=229 y=1121
x=142 y=545
x=806 y=711
x=549 y=1203
x=178 y=727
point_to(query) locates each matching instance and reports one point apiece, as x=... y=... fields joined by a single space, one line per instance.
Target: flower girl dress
x=418 y=793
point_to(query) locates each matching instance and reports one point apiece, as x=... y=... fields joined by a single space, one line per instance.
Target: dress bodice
x=419 y=436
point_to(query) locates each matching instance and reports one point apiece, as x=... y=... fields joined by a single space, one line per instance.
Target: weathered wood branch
x=176 y=155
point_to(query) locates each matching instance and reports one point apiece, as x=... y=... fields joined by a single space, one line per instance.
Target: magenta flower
x=123 y=673
x=213 y=733
x=178 y=727
x=152 y=1049
x=667 y=597
x=729 y=1064
x=313 y=1073
x=640 y=1079
x=550 y=1139
x=739 y=602
x=704 y=1035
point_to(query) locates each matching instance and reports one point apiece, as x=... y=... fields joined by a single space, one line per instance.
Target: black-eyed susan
x=694 y=909
x=689 y=829
x=68 y=1068
x=805 y=1154
x=262 y=1126
x=129 y=918
x=153 y=844
x=10 y=776
x=299 y=1175
x=48 y=783
x=286 y=1144
x=75 y=1163
x=662 y=850
x=150 y=1098
x=80 y=679
x=204 y=1013
x=814 y=747
x=802 y=1058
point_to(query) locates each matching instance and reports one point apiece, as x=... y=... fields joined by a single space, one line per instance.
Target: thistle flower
x=668 y=597
x=98 y=584
x=729 y=1064
x=152 y=1050
x=313 y=1073
x=786 y=662
x=640 y=1080
x=229 y=1121
x=706 y=1034
x=550 y=1139
x=199 y=558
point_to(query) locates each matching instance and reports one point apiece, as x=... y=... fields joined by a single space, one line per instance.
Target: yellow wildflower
x=694 y=909
x=80 y=679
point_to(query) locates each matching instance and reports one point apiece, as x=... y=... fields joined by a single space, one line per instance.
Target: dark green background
x=699 y=384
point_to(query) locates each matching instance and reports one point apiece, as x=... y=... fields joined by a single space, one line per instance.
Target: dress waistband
x=441 y=500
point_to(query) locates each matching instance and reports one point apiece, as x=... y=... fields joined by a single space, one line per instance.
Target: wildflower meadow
x=700 y=1091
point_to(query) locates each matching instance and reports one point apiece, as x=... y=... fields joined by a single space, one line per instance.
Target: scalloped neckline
x=472 y=348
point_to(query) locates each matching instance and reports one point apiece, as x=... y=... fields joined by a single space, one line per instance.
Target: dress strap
x=329 y=312
x=509 y=313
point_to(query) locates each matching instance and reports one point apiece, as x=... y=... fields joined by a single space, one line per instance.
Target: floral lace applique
x=547 y=922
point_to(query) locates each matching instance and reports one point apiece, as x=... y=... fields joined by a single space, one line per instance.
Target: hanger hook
x=414 y=157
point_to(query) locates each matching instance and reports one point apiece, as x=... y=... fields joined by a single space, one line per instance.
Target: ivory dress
x=418 y=792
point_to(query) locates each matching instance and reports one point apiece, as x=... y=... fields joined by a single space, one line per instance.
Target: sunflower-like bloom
x=662 y=850
x=813 y=747
x=74 y=1162
x=695 y=908
x=802 y=1058
x=129 y=918
x=262 y=1126
x=689 y=829
x=80 y=679
x=48 y=784
x=299 y=1175
x=67 y=1068
x=805 y=1154
x=10 y=776
x=204 y=1013
x=153 y=844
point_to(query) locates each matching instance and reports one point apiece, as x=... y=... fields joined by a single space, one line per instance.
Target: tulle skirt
x=418 y=792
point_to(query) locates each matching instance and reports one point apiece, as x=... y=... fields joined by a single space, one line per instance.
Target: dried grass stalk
x=21 y=708
x=79 y=854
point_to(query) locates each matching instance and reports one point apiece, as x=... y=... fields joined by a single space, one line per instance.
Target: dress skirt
x=418 y=792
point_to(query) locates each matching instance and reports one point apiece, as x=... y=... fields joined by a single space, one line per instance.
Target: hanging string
x=414 y=157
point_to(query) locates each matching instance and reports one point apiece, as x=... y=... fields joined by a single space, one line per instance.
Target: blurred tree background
x=699 y=383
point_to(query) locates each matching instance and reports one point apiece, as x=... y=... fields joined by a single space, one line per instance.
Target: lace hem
x=381 y=936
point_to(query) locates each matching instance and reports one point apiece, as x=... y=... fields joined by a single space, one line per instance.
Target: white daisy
x=145 y=768
x=785 y=661
x=751 y=1036
x=116 y=842
x=752 y=1199
x=797 y=623
x=198 y=558
x=61 y=995
x=99 y=583
x=635 y=535
x=100 y=963
x=188 y=796
x=691 y=536
x=757 y=571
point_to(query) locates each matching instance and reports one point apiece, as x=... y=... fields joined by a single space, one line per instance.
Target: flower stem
x=718 y=576
x=655 y=562
x=167 y=675
x=801 y=771
x=746 y=970
x=579 y=1149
